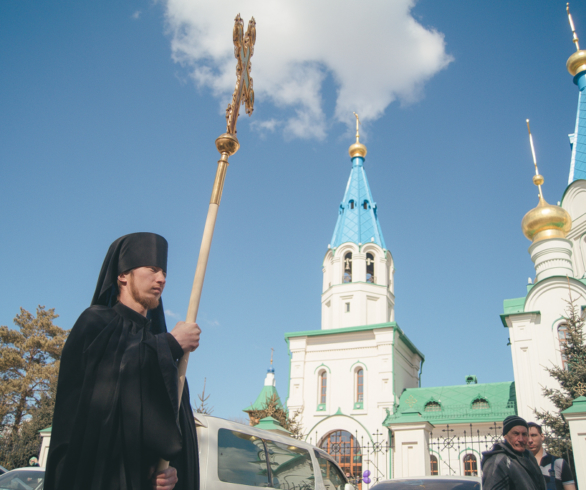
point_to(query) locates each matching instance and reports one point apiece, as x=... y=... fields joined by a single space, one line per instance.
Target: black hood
x=127 y=253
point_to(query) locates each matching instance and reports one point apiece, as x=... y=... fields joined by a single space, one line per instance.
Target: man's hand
x=187 y=334
x=165 y=480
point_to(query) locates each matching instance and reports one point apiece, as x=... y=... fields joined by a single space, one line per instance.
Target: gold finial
x=544 y=221
x=538 y=179
x=272 y=350
x=574 y=36
x=357 y=127
x=577 y=62
x=357 y=149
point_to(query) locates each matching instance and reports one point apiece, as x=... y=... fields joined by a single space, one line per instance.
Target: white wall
x=534 y=340
x=369 y=303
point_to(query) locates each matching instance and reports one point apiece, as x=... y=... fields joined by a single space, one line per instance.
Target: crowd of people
x=521 y=462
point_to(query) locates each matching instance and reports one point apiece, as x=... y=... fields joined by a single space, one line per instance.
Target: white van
x=233 y=456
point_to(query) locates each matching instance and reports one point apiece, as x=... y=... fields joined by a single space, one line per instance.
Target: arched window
x=480 y=404
x=323 y=386
x=347 y=267
x=344 y=448
x=369 y=267
x=563 y=338
x=434 y=465
x=470 y=465
x=360 y=385
x=433 y=407
x=352 y=204
x=365 y=205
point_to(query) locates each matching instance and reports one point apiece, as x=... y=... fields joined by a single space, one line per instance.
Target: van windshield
x=332 y=475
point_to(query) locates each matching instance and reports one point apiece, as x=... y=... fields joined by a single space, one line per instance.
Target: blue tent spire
x=357 y=216
x=577 y=67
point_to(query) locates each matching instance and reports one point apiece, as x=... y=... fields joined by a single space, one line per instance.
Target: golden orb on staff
x=227 y=144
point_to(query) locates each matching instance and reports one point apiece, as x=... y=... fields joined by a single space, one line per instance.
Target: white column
x=358 y=267
x=44 y=453
x=552 y=257
x=411 y=449
x=576 y=418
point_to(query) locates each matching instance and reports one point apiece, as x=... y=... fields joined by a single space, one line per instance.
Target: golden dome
x=546 y=221
x=357 y=150
x=577 y=62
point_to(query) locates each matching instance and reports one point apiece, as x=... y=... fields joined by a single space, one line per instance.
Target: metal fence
x=356 y=456
x=458 y=448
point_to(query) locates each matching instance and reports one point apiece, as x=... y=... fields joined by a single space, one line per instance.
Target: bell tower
x=358 y=286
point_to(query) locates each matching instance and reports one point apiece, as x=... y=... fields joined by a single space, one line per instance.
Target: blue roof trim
x=356 y=224
x=578 y=139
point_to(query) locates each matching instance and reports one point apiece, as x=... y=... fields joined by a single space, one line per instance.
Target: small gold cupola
x=545 y=220
x=577 y=62
x=357 y=149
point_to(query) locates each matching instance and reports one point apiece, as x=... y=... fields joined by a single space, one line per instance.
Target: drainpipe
x=420 y=371
x=390 y=453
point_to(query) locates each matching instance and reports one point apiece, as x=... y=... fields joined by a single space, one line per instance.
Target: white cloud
x=374 y=50
x=172 y=314
x=136 y=15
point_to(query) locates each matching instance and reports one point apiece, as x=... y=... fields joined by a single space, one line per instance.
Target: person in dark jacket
x=509 y=465
x=117 y=409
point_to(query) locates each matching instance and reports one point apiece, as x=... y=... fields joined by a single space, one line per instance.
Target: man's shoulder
x=496 y=454
x=545 y=459
x=94 y=317
x=97 y=313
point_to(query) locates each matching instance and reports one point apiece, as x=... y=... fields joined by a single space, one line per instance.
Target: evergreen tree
x=572 y=381
x=18 y=447
x=29 y=365
x=272 y=409
x=202 y=407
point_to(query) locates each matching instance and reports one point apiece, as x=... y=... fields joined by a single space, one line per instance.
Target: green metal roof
x=456 y=404
x=48 y=429
x=578 y=406
x=361 y=328
x=269 y=423
x=515 y=305
x=265 y=396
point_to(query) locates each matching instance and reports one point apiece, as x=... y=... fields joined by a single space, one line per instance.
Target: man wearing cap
x=509 y=465
x=117 y=408
x=556 y=472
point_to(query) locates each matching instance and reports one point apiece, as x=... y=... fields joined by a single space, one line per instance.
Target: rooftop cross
x=574 y=36
x=538 y=179
x=357 y=125
x=243 y=92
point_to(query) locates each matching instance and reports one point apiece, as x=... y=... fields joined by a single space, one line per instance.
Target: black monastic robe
x=116 y=407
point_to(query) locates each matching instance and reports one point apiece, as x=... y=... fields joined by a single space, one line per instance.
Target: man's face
x=535 y=440
x=517 y=438
x=146 y=285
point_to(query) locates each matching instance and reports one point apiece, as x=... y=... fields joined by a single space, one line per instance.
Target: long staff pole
x=227 y=144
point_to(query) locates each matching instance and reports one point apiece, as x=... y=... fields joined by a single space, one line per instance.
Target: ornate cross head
x=243 y=92
x=580 y=389
x=411 y=401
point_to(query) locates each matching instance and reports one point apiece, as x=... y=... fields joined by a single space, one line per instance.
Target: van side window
x=291 y=467
x=333 y=477
x=242 y=459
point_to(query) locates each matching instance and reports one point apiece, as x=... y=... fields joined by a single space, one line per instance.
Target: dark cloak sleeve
x=116 y=410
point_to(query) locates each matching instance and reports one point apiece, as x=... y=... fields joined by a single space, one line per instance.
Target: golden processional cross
x=227 y=144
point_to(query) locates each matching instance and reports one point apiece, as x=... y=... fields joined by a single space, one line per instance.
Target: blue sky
x=107 y=127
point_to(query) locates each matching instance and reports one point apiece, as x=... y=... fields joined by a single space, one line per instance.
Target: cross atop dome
x=357 y=218
x=576 y=65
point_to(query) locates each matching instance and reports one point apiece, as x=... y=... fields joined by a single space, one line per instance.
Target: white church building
x=356 y=381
